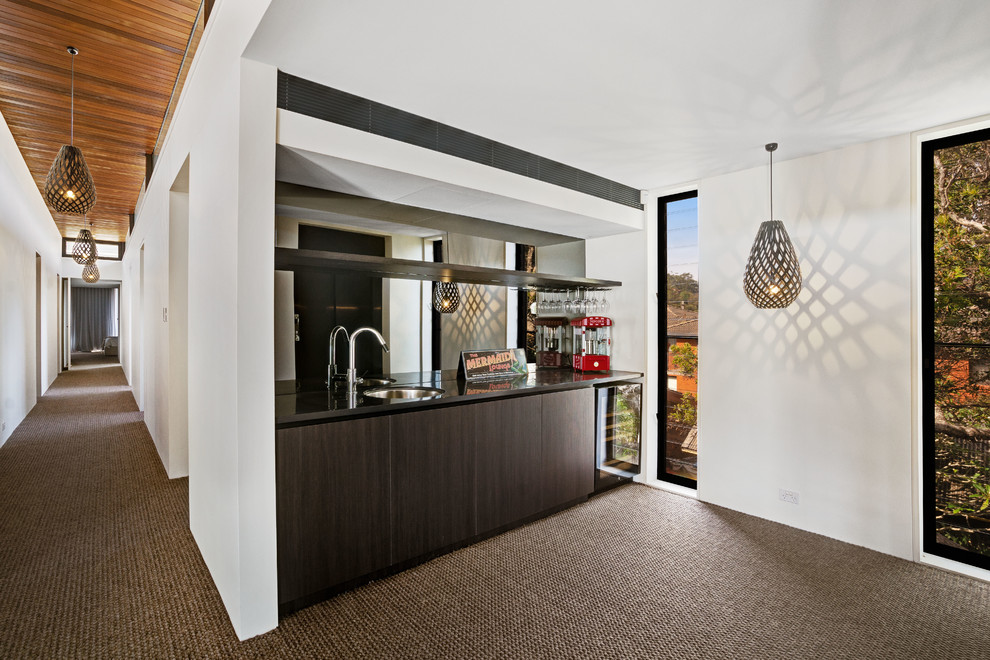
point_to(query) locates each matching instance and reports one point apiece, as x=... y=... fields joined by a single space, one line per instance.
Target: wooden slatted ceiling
x=129 y=55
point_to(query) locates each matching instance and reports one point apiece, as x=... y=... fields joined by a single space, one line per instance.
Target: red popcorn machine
x=592 y=343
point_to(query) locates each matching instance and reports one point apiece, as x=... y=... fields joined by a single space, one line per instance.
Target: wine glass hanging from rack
x=577 y=301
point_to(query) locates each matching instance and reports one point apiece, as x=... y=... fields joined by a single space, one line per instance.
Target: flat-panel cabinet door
x=433 y=480
x=332 y=505
x=568 y=446
x=508 y=460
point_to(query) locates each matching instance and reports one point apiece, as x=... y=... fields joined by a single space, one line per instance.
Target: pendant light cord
x=72 y=100
x=771 y=147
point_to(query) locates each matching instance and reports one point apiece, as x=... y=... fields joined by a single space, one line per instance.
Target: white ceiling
x=651 y=93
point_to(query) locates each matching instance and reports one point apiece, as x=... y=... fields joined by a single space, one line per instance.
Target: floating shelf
x=406 y=269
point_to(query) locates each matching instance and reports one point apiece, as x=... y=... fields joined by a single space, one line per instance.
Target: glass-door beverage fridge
x=618 y=431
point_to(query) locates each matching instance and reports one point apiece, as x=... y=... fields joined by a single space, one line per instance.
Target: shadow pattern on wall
x=480 y=321
x=817 y=395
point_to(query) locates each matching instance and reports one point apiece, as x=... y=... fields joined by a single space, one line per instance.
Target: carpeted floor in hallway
x=96 y=561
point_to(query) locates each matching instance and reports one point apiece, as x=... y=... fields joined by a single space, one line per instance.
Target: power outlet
x=790 y=496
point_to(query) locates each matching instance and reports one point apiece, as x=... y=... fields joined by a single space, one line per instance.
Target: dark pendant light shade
x=69 y=187
x=84 y=251
x=773 y=274
x=446 y=298
x=91 y=273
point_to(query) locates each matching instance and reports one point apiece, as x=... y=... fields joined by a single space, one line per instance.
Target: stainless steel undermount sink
x=374 y=382
x=403 y=392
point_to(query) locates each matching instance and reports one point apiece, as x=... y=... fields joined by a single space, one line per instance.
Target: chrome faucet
x=332 y=365
x=351 y=370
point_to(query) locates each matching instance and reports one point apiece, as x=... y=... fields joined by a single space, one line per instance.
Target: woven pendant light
x=91 y=273
x=69 y=187
x=84 y=250
x=446 y=298
x=773 y=275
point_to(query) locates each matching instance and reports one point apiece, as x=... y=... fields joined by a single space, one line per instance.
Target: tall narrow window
x=678 y=263
x=956 y=347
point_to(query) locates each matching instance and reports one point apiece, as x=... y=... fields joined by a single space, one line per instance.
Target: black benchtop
x=312 y=406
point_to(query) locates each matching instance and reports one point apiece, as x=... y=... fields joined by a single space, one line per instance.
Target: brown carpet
x=92 y=360
x=96 y=561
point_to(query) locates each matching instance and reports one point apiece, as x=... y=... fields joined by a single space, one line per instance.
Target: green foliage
x=962 y=484
x=682 y=291
x=962 y=243
x=961 y=308
x=962 y=176
x=962 y=282
x=684 y=359
x=685 y=412
x=961 y=277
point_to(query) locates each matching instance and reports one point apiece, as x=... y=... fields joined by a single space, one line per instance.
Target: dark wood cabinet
x=508 y=460
x=357 y=497
x=433 y=480
x=332 y=504
x=568 y=462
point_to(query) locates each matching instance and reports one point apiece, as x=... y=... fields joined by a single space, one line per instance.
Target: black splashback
x=324 y=300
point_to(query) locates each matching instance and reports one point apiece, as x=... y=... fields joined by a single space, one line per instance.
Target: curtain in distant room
x=93 y=317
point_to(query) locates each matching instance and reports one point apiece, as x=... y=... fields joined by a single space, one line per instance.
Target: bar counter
x=302 y=404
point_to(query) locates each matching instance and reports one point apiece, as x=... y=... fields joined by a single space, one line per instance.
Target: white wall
x=624 y=258
x=50 y=295
x=224 y=127
x=402 y=316
x=176 y=318
x=566 y=258
x=126 y=329
x=815 y=398
x=254 y=376
x=26 y=231
x=130 y=327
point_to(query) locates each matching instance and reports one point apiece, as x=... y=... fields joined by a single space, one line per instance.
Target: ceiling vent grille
x=314 y=100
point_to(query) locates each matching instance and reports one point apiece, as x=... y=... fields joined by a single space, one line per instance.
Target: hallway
x=96 y=558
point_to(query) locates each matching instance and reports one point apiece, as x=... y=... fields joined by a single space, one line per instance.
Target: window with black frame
x=955 y=233
x=678 y=266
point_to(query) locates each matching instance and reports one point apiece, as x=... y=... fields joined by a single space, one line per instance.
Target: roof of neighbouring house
x=690 y=443
x=682 y=322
